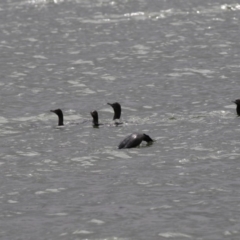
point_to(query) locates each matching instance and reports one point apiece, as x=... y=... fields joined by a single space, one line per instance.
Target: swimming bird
x=95 y=122
x=134 y=140
x=60 y=116
x=237 y=102
x=117 y=110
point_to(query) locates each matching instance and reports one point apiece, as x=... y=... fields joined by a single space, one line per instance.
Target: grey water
x=173 y=66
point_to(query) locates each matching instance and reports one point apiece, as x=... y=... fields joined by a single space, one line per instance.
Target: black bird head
x=95 y=118
x=237 y=102
x=147 y=138
x=117 y=110
x=60 y=116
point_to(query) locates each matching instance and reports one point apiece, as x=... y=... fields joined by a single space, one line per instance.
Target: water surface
x=173 y=66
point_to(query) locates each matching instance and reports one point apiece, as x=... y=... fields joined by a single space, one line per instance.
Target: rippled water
x=174 y=67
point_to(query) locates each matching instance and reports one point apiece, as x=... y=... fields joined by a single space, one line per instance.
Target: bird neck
x=60 y=120
x=117 y=114
x=95 y=120
x=95 y=123
x=238 y=110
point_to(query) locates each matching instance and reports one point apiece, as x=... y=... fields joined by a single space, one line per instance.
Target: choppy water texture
x=174 y=67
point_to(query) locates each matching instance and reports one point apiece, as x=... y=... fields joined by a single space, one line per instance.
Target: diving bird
x=134 y=140
x=117 y=110
x=95 y=122
x=237 y=102
x=60 y=116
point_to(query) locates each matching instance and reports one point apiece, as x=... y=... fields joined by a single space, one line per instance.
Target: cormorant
x=134 y=140
x=95 y=122
x=117 y=110
x=60 y=116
